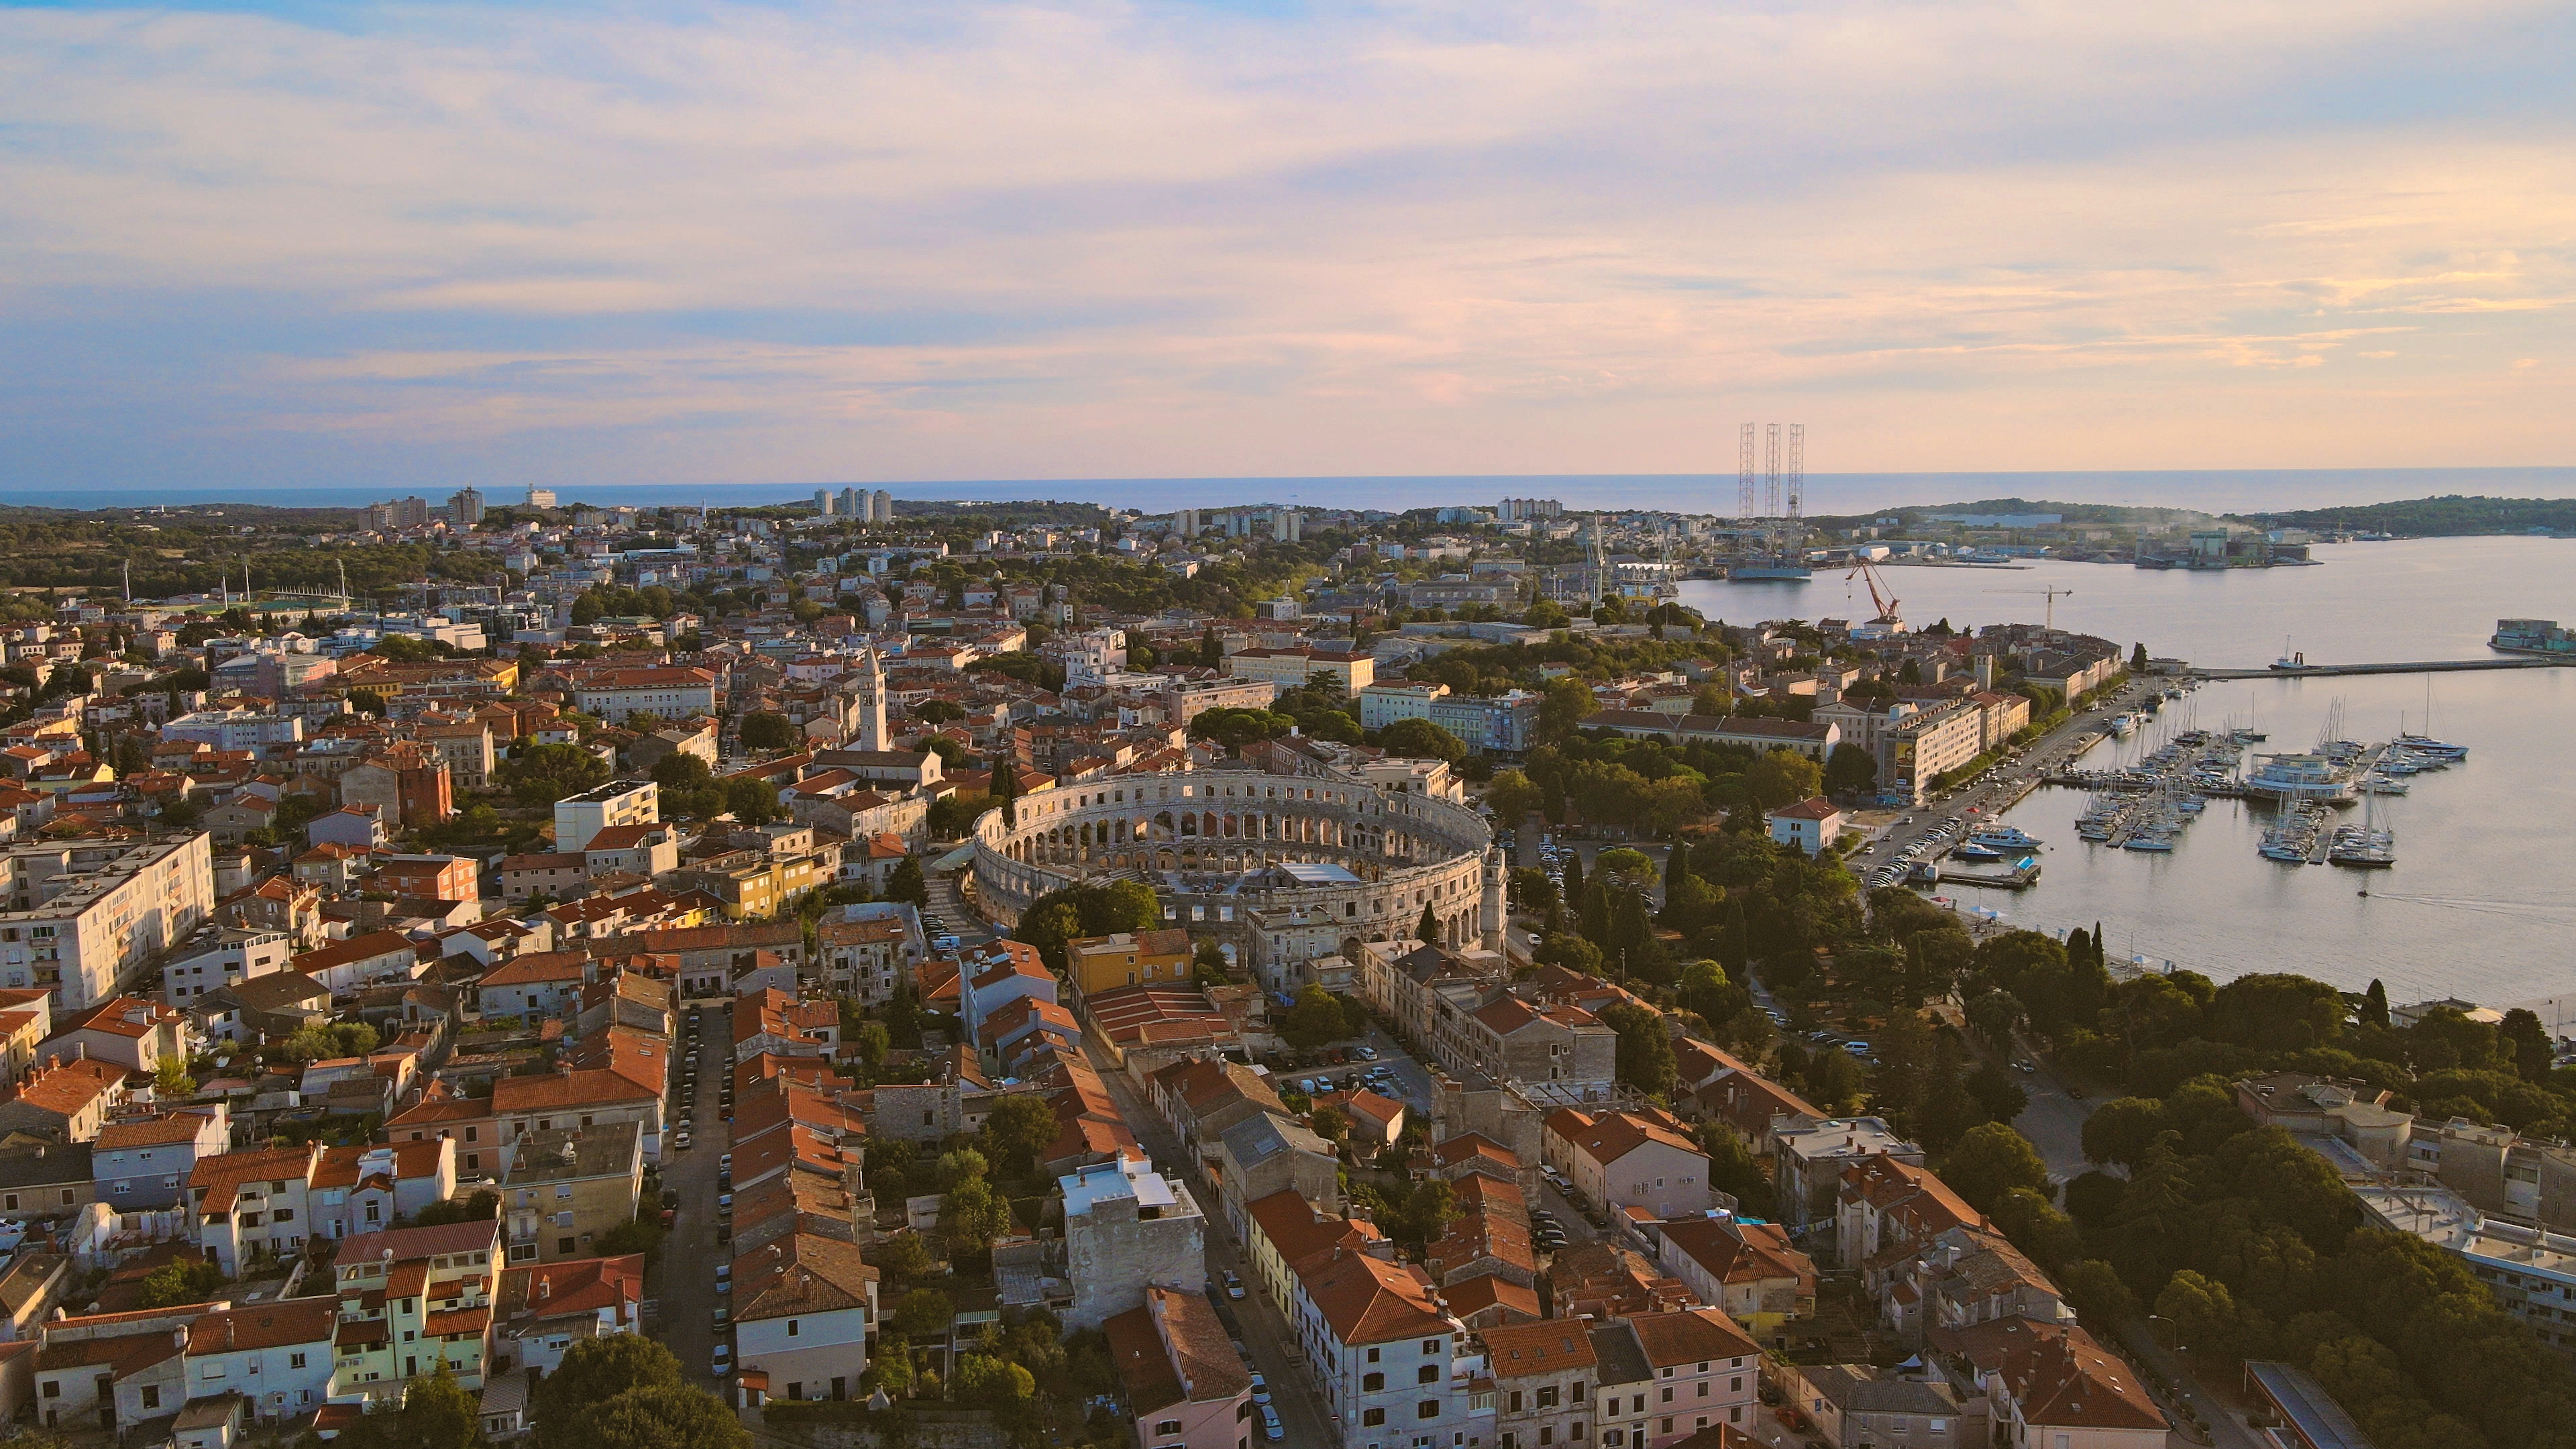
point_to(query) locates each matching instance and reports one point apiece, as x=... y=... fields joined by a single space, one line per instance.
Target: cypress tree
x=1006 y=790
x=2079 y=947
x=1677 y=868
x=1428 y=928
x=1573 y=881
x=2374 y=1004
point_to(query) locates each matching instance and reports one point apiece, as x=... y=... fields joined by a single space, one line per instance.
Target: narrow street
x=685 y=1279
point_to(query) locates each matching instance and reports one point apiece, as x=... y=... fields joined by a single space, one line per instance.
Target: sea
x=1827 y=494
x=2481 y=904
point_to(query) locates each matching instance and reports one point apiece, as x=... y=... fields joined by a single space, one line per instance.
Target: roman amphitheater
x=1226 y=846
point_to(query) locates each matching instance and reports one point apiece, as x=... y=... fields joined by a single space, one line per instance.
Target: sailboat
x=2364 y=846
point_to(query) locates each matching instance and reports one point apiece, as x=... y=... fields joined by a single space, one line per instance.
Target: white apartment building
x=84 y=919
x=670 y=693
x=619 y=802
x=1393 y=1369
x=224 y=956
x=1384 y=703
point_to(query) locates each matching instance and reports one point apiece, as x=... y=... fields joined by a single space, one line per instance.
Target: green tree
x=2527 y=1043
x=543 y=774
x=683 y=1417
x=1783 y=777
x=1316 y=1019
x=1237 y=728
x=482 y=1206
x=1006 y=789
x=2098 y=1294
x=680 y=770
x=1420 y=739
x=1850 y=770
x=1644 y=1054
x=594 y=1370
x=1564 y=707
x=2122 y=1130
x=923 y=1313
x=182 y=1282
x=1427 y=928
x=170 y=1079
x=992 y=1383
x=1511 y=797
x=2374 y=1004
x=1017 y=1128
x=873 y=1041
x=906 y=884
x=1990 y=1161
x=768 y=730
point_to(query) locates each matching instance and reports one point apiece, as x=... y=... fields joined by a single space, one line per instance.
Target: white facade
x=625 y=802
x=100 y=913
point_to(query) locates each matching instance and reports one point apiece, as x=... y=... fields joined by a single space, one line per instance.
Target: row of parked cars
x=1377 y=1079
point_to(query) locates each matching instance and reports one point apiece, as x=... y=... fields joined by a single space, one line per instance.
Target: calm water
x=2480 y=904
x=1827 y=493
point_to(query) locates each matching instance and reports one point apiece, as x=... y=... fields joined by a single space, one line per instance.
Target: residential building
x=1643 y=1159
x=620 y=802
x=1667 y=1376
x=804 y=1309
x=45 y=1180
x=1293 y=668
x=565 y=1188
x=666 y=692
x=145 y=1162
x=537 y=985
x=411 y=1301
x=87 y=918
x=564 y=1100
x=1101 y=963
x=1750 y=1270
x=1385 y=702
x=2051 y=1386
x=1393 y=1370
x=1807 y=1163
x=1513 y=1040
x=252 y=1206
x=404 y=784
x=224 y=956
x=1856 y=1404
x=546 y=1308
x=1183 y=1381
x=866 y=957
x=372 y=959
x=131 y=1032
x=366 y=1188
x=1128 y=1228
x=1812 y=825
x=66 y=1101
x=277 y=1356
x=1544 y=1374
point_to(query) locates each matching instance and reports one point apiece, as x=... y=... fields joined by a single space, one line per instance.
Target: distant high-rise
x=1185 y=522
x=541 y=497
x=854 y=504
x=882 y=508
x=399 y=513
x=823 y=502
x=1287 y=526
x=465 y=507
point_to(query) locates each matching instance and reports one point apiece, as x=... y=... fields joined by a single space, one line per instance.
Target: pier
x=2421 y=666
x=2021 y=878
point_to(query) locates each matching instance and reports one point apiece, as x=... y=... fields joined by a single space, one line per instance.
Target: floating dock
x=2020 y=878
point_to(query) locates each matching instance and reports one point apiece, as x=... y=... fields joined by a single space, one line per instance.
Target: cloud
x=739 y=243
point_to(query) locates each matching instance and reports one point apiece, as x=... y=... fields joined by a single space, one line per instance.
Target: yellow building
x=1140 y=958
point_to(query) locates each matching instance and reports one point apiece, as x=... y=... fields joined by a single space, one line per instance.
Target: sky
x=326 y=244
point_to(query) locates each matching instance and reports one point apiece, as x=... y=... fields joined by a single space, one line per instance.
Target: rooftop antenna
x=1744 y=473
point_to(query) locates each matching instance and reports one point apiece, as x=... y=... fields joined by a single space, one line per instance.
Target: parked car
x=681 y=1141
x=1271 y=1428
x=1366 y=1053
x=1233 y=1285
x=723 y=1358
x=1260 y=1388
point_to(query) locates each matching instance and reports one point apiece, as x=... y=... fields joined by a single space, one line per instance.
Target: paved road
x=686 y=1278
x=2229 y=1431
x=1292 y=1388
x=1982 y=800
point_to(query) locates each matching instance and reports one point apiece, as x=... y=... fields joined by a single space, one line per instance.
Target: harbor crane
x=1888 y=620
x=2053 y=594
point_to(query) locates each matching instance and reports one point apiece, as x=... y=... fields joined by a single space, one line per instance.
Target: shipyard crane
x=1889 y=620
x=2053 y=594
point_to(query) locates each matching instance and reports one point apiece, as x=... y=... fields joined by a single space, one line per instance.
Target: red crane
x=1885 y=599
